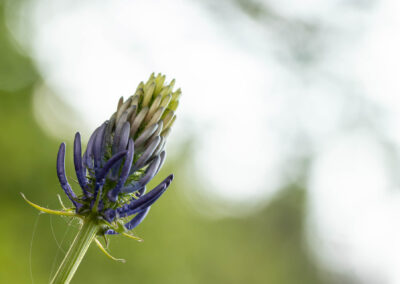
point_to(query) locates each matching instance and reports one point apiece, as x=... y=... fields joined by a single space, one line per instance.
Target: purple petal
x=112 y=195
x=97 y=147
x=87 y=156
x=146 y=155
x=123 y=141
x=146 y=200
x=110 y=163
x=109 y=215
x=110 y=232
x=122 y=144
x=79 y=169
x=118 y=131
x=121 y=138
x=151 y=171
x=137 y=219
x=62 y=178
x=100 y=177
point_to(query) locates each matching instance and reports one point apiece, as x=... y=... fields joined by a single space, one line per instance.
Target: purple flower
x=122 y=157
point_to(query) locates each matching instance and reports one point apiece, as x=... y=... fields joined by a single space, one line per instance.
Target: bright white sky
x=243 y=104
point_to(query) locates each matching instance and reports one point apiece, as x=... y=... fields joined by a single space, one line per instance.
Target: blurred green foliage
x=180 y=246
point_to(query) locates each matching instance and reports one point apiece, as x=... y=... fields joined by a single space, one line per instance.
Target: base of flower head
x=70 y=212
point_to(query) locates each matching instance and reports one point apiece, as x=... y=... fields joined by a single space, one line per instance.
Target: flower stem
x=76 y=252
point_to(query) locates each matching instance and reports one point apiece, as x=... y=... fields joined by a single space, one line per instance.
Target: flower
x=122 y=156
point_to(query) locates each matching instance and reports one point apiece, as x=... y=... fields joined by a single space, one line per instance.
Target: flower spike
x=122 y=156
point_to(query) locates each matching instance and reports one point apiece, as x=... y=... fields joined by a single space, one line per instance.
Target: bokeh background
x=285 y=151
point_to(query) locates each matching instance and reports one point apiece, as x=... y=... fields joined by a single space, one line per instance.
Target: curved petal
x=146 y=200
x=147 y=154
x=98 y=147
x=62 y=178
x=137 y=219
x=121 y=146
x=79 y=169
x=112 y=195
x=110 y=163
x=88 y=155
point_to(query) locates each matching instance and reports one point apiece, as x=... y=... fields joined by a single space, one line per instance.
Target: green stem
x=76 y=252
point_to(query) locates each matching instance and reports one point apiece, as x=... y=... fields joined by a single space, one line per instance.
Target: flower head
x=122 y=156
